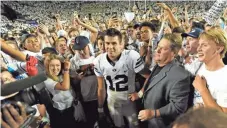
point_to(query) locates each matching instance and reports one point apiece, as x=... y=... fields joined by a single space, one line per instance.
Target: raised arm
x=186 y=15
x=18 y=55
x=65 y=85
x=93 y=30
x=58 y=22
x=173 y=21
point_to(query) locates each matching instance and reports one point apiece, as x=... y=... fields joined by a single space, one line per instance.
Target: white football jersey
x=120 y=78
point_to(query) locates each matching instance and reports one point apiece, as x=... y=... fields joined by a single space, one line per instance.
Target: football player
x=117 y=68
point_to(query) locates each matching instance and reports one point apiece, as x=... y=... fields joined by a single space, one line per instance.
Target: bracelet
x=155 y=115
x=140 y=94
x=66 y=69
x=27 y=57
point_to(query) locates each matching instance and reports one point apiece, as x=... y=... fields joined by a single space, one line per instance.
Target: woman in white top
x=211 y=83
x=61 y=115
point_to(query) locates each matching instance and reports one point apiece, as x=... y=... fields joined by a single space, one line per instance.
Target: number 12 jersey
x=119 y=78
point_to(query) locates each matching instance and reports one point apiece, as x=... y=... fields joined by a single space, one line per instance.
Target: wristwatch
x=140 y=94
x=66 y=71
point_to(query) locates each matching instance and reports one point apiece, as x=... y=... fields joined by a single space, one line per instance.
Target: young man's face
x=62 y=47
x=192 y=45
x=207 y=50
x=136 y=34
x=146 y=33
x=102 y=27
x=100 y=44
x=130 y=31
x=85 y=53
x=113 y=46
x=32 y=44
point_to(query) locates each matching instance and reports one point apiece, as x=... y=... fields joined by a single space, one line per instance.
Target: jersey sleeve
x=97 y=66
x=136 y=61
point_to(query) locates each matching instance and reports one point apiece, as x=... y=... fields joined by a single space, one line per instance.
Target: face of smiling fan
x=54 y=67
x=32 y=44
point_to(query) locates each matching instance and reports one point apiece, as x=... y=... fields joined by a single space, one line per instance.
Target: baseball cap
x=25 y=36
x=49 y=50
x=80 y=43
x=194 y=33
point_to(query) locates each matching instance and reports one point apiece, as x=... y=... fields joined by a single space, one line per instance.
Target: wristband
x=27 y=57
x=100 y=110
x=140 y=94
x=155 y=114
x=66 y=70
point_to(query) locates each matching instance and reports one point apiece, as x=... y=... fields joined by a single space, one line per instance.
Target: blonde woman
x=211 y=83
x=61 y=114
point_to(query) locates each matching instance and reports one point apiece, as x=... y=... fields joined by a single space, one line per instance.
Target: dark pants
x=63 y=119
x=91 y=112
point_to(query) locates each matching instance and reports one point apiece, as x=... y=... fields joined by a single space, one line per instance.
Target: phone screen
x=114 y=14
x=75 y=14
x=89 y=16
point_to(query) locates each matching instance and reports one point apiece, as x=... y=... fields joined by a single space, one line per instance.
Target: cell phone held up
x=89 y=16
x=114 y=14
x=75 y=14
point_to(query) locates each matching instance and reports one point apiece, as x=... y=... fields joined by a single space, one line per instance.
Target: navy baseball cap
x=26 y=36
x=194 y=33
x=49 y=50
x=80 y=43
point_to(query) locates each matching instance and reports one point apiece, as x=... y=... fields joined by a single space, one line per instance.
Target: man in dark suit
x=166 y=93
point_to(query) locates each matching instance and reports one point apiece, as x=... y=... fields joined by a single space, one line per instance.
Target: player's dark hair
x=148 y=24
x=113 y=32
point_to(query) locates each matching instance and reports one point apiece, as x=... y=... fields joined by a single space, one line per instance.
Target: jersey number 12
x=123 y=81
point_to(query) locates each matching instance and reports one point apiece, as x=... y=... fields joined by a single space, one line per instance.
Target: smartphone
x=75 y=14
x=114 y=14
x=89 y=16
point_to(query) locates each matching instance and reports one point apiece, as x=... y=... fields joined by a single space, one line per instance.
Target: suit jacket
x=168 y=92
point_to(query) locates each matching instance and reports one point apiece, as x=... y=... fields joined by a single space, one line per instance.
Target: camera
x=30 y=91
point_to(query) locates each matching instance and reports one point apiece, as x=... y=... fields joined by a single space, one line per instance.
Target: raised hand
x=162 y=5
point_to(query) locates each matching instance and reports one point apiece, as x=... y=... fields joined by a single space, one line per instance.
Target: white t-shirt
x=89 y=83
x=38 y=55
x=62 y=99
x=217 y=85
x=193 y=66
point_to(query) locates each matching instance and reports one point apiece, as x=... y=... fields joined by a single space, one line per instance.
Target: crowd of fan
x=71 y=53
x=32 y=11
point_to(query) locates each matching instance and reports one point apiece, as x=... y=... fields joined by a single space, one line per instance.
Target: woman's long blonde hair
x=50 y=58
